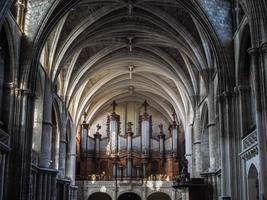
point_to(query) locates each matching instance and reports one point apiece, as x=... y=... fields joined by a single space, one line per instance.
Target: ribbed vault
x=139 y=50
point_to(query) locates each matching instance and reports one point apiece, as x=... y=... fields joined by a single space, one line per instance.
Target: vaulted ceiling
x=121 y=50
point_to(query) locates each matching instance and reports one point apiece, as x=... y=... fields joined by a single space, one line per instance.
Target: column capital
x=97 y=135
x=11 y=86
x=264 y=48
x=220 y=98
x=209 y=72
x=24 y=92
x=211 y=124
x=241 y=88
x=254 y=51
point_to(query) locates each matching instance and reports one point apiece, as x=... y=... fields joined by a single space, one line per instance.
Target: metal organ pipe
x=97 y=141
x=129 y=150
x=145 y=126
x=114 y=130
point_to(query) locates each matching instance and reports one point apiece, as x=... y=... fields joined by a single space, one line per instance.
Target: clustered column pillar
x=189 y=147
x=62 y=145
x=2 y=78
x=45 y=155
x=197 y=144
x=259 y=87
x=211 y=128
x=175 y=137
x=71 y=160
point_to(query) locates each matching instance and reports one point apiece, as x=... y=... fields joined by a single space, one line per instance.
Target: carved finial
x=145 y=104
x=129 y=125
x=161 y=128
x=174 y=116
x=98 y=127
x=114 y=104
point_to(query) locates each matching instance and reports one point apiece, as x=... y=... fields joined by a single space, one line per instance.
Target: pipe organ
x=148 y=152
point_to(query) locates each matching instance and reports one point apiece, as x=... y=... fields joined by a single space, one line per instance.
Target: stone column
x=45 y=155
x=2 y=77
x=145 y=129
x=197 y=164
x=71 y=159
x=62 y=144
x=84 y=136
x=175 y=137
x=224 y=112
x=211 y=129
x=97 y=141
x=260 y=123
x=114 y=130
x=161 y=142
x=242 y=93
x=188 y=147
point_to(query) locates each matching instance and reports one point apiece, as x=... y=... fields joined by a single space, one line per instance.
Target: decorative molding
x=249 y=146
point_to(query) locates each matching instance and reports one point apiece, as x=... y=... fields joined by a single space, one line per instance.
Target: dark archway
x=99 y=196
x=129 y=196
x=253 y=183
x=158 y=196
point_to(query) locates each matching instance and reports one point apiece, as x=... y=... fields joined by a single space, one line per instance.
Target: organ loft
x=133 y=144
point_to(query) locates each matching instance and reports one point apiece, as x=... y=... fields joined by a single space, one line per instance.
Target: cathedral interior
x=133 y=100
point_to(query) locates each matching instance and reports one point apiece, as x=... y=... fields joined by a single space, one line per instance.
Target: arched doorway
x=129 y=196
x=99 y=196
x=253 y=183
x=158 y=196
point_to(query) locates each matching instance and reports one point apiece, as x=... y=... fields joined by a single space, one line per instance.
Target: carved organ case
x=130 y=141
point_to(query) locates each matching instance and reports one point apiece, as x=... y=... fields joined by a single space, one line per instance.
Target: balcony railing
x=4 y=140
x=249 y=146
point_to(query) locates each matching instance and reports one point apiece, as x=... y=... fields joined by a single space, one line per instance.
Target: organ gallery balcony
x=249 y=146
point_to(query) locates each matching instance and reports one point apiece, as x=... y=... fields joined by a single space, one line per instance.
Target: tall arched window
x=253 y=183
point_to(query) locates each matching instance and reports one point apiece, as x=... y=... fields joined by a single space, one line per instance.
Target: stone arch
x=99 y=196
x=129 y=196
x=245 y=82
x=8 y=56
x=253 y=183
x=158 y=196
